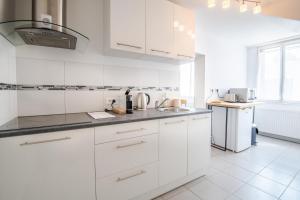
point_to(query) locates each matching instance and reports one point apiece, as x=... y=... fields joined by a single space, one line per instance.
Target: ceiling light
x=193 y=36
x=243 y=7
x=211 y=3
x=176 y=24
x=226 y=4
x=257 y=9
x=181 y=28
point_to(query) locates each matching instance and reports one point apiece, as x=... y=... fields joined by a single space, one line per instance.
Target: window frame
x=282 y=45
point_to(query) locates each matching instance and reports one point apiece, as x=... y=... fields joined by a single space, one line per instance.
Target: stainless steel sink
x=173 y=109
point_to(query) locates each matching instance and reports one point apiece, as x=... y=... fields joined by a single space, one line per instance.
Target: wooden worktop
x=234 y=105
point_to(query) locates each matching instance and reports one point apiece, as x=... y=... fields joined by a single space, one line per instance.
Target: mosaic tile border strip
x=4 y=86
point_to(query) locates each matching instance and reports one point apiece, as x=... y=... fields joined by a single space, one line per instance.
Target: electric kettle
x=143 y=99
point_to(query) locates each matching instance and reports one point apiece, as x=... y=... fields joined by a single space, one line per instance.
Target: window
x=292 y=73
x=187 y=82
x=279 y=72
x=268 y=86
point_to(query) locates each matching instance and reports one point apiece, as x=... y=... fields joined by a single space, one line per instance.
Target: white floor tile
x=233 y=197
x=173 y=193
x=206 y=190
x=239 y=173
x=296 y=183
x=251 y=166
x=290 y=194
x=276 y=175
x=248 y=192
x=226 y=182
x=284 y=167
x=268 y=186
x=186 y=195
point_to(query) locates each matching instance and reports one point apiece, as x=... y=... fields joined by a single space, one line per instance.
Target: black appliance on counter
x=129 y=104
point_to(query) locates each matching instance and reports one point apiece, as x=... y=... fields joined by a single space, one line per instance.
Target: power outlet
x=108 y=103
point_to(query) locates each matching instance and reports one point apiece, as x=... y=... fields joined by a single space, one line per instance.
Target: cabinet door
x=127 y=25
x=199 y=131
x=184 y=32
x=50 y=166
x=159 y=28
x=172 y=149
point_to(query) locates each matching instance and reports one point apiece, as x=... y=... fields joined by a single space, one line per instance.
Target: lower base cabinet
x=128 y=184
x=50 y=166
x=147 y=159
x=172 y=149
x=199 y=139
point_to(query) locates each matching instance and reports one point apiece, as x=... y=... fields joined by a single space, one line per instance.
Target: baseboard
x=280 y=137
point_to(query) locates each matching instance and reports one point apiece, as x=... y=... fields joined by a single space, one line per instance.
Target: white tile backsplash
x=120 y=76
x=84 y=101
x=44 y=102
x=148 y=77
x=51 y=72
x=83 y=74
x=8 y=98
x=38 y=71
x=169 y=78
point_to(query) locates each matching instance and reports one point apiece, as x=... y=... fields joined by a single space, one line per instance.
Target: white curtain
x=187 y=80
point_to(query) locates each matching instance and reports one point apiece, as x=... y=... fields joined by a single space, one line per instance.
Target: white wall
x=225 y=57
x=44 y=66
x=8 y=98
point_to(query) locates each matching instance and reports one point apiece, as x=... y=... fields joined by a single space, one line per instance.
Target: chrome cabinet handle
x=176 y=122
x=181 y=55
x=130 y=131
x=130 y=145
x=131 y=176
x=159 y=51
x=200 y=118
x=45 y=141
x=129 y=45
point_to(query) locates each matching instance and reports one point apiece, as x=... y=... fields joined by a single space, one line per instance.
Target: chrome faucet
x=157 y=105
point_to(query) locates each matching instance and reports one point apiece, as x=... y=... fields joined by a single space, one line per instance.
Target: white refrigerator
x=239 y=127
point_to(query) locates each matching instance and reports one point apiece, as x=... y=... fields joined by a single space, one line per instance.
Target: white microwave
x=244 y=95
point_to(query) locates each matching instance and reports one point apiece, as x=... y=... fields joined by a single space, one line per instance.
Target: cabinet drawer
x=200 y=117
x=123 y=131
x=129 y=184
x=122 y=155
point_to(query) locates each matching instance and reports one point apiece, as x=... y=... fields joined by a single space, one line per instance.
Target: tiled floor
x=268 y=171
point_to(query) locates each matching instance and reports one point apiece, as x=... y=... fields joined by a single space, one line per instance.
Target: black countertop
x=50 y=123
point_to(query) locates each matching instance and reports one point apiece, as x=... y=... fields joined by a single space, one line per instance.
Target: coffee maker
x=129 y=104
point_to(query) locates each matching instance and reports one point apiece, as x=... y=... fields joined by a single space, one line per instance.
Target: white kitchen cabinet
x=126 y=154
x=128 y=184
x=199 y=131
x=239 y=129
x=126 y=25
x=172 y=149
x=58 y=165
x=184 y=33
x=159 y=28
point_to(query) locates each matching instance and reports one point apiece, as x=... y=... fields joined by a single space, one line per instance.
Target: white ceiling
x=244 y=28
x=197 y=3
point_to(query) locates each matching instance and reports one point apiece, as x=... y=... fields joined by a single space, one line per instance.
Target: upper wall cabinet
x=184 y=33
x=126 y=25
x=159 y=28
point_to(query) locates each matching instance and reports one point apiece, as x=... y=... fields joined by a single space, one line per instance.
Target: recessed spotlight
x=211 y=3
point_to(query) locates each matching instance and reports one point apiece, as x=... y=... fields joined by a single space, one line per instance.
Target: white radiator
x=279 y=121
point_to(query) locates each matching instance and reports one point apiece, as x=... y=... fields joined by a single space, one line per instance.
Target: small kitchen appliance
x=230 y=98
x=244 y=95
x=129 y=106
x=143 y=99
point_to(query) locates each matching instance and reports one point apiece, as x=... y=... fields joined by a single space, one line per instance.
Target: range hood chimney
x=38 y=22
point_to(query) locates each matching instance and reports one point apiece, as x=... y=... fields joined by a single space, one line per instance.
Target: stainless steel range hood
x=39 y=22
